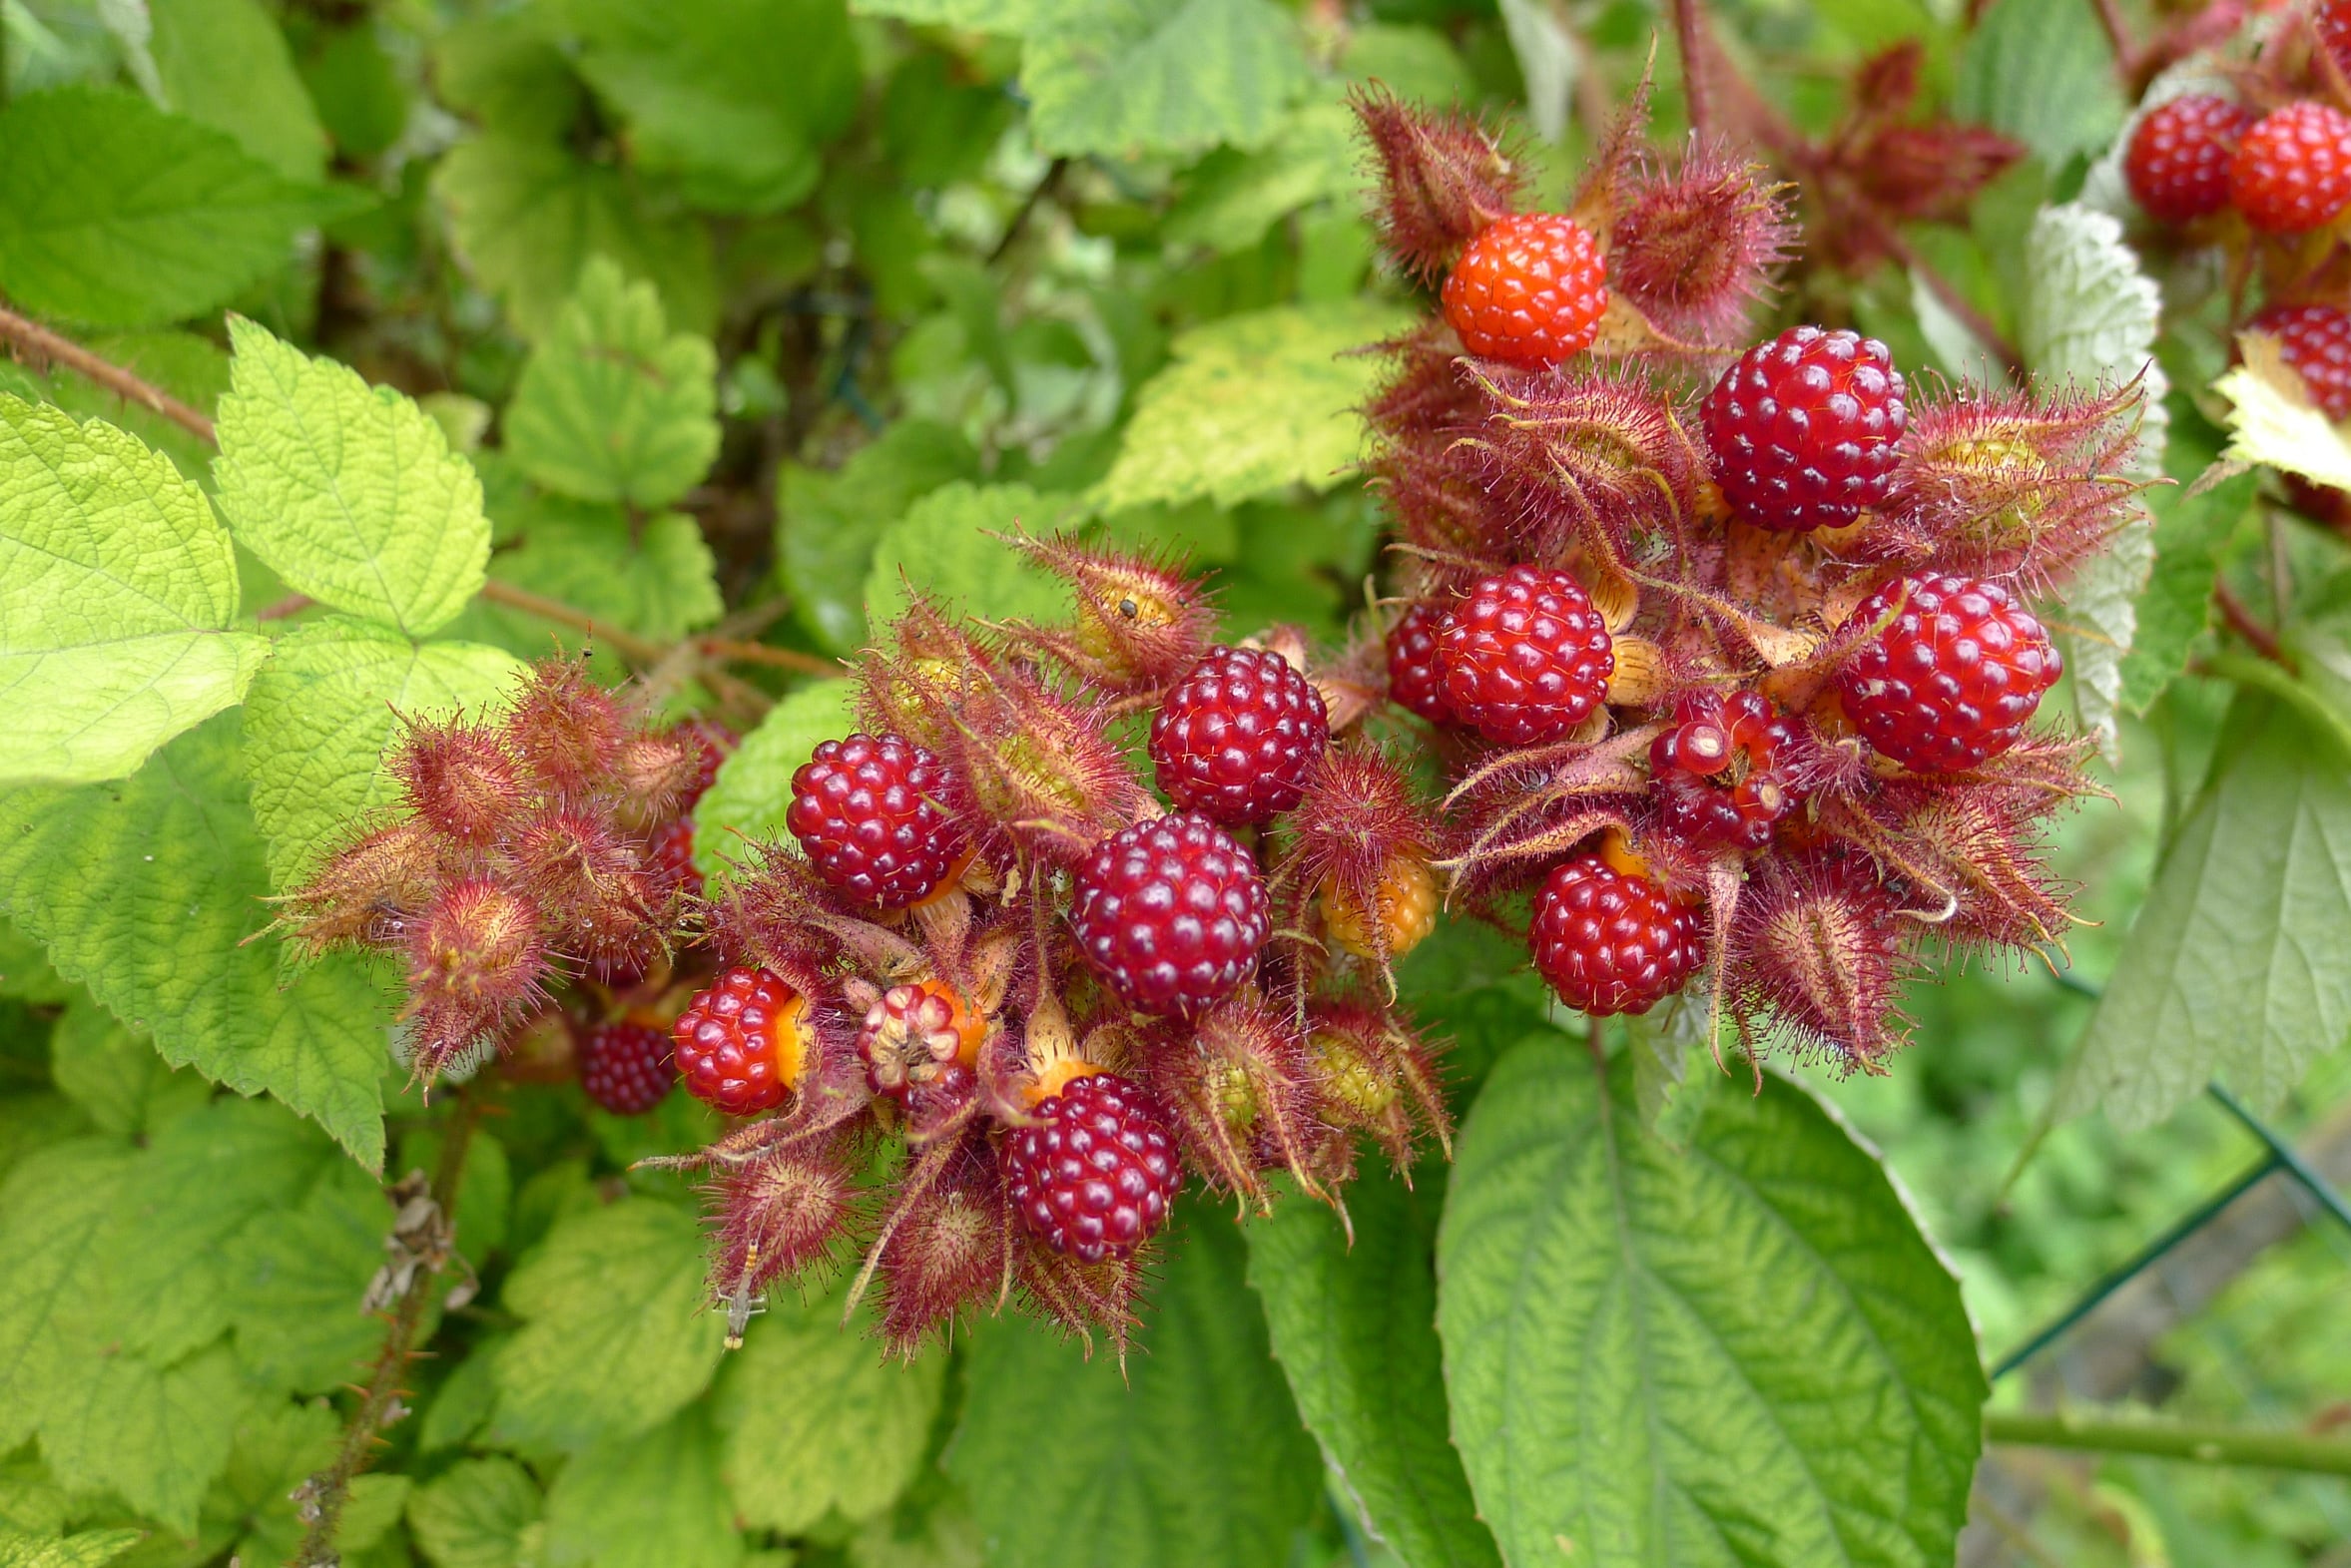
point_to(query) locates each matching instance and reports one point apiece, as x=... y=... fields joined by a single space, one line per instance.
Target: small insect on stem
x=741 y=1308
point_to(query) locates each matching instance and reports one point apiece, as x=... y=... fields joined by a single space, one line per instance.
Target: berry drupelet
x=1952 y=679
x=2316 y=341
x=1525 y=657
x=1416 y=679
x=1611 y=941
x=1804 y=429
x=1718 y=771
x=741 y=1043
x=2293 y=169
x=866 y=811
x=2179 y=159
x=626 y=1067
x=1094 y=1175
x=1171 y=912
x=1233 y=740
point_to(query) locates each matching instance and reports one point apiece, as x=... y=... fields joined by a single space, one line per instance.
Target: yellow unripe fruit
x=1404 y=912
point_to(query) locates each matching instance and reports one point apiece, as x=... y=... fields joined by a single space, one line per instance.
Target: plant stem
x=2240 y=621
x=762 y=653
x=32 y=337
x=1688 y=33
x=2272 y=678
x=329 y=1489
x=637 y=650
x=2195 y=1444
x=2117 y=33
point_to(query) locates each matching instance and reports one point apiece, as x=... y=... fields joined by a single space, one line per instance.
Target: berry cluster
x=1724 y=643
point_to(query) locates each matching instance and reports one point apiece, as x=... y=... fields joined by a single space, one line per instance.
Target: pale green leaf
x=992 y=16
x=116 y=589
x=2233 y=968
x=611 y=407
x=1252 y=404
x=944 y=547
x=1744 y=1354
x=746 y=802
x=191 y=368
x=145 y=892
x=1354 y=1323
x=2192 y=530
x=88 y=1549
x=654 y=1501
x=1673 y=1067
x=2273 y=420
x=1192 y=1454
x=1233 y=198
x=31 y=1501
x=697 y=82
x=612 y=1288
x=333 y=698
x=153 y=1436
x=505 y=69
x=1120 y=77
x=816 y=1420
x=115 y=214
x=373 y=1506
x=224 y=63
x=279 y=1445
x=2044 y=74
x=527 y=215
x=114 y=1075
x=827 y=523
x=348 y=492
x=294 y=1283
x=473 y=1514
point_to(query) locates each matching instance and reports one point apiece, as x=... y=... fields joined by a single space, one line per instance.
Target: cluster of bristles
x=2263 y=172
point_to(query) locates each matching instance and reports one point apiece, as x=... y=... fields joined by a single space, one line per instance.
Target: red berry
x=1416 y=681
x=627 y=1068
x=1804 y=429
x=669 y=854
x=1171 y=912
x=914 y=1032
x=2316 y=341
x=2178 y=162
x=1529 y=290
x=1952 y=680
x=1094 y=1175
x=741 y=1043
x=1232 y=739
x=2332 y=23
x=1718 y=771
x=2292 y=171
x=1611 y=941
x=866 y=811
x=1525 y=657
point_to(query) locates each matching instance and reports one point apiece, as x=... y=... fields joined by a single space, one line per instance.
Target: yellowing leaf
x=2276 y=423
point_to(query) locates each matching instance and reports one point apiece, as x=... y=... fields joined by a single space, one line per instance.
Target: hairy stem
x=32 y=337
x=1958 y=303
x=1688 y=34
x=329 y=1489
x=2240 y=621
x=2195 y=1444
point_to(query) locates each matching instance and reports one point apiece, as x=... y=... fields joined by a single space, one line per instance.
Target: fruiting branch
x=321 y=1498
x=28 y=336
x=2197 y=1444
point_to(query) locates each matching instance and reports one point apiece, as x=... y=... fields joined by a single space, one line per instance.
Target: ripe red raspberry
x=1952 y=680
x=1525 y=657
x=669 y=851
x=2316 y=341
x=2292 y=171
x=2178 y=158
x=741 y=1043
x=1232 y=739
x=1171 y=912
x=1093 y=1178
x=866 y=811
x=1611 y=941
x=1414 y=677
x=1529 y=290
x=1804 y=429
x=914 y=1032
x=627 y=1068
x=1718 y=771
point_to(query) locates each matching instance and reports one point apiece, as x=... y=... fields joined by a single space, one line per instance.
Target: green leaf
x=662 y=586
x=348 y=492
x=224 y=63
x=754 y=787
x=611 y=407
x=1673 y=1068
x=1126 y=76
x=1193 y=1455
x=89 y=1549
x=189 y=367
x=697 y=83
x=115 y=591
x=2192 y=531
x=826 y=524
x=1355 y=1328
x=53 y=1209
x=1743 y=1355
x=115 y=214
x=2223 y=973
x=145 y=892
x=943 y=547
x=1253 y=403
x=1233 y=198
x=116 y=1076
x=322 y=714
x=502 y=69
x=293 y=1284
x=474 y=1513
x=2044 y=74
x=651 y=1503
x=279 y=1445
x=527 y=215
x=612 y=1287
x=815 y=1419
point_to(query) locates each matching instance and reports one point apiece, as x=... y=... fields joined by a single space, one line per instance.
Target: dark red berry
x=866 y=811
x=1611 y=941
x=1718 y=771
x=2292 y=170
x=1234 y=738
x=1094 y=1175
x=2332 y=23
x=1804 y=429
x=2178 y=159
x=627 y=1068
x=1416 y=681
x=1529 y=290
x=1952 y=679
x=1171 y=912
x=2316 y=341
x=715 y=742
x=1525 y=657
x=741 y=1043
x=670 y=853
